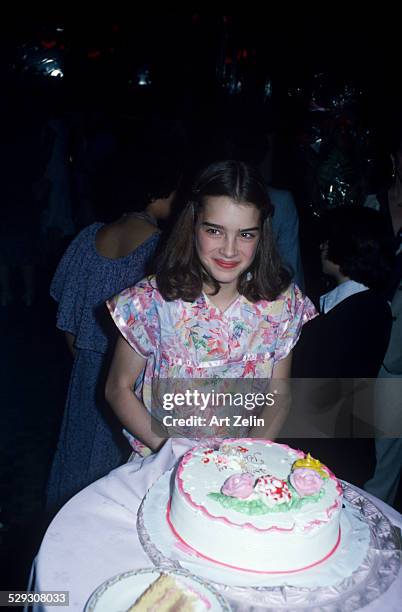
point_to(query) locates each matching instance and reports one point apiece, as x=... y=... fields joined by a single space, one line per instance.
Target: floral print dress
x=195 y=340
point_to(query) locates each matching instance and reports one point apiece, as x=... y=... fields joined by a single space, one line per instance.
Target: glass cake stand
x=373 y=576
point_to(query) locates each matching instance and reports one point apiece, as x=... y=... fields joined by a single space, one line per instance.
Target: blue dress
x=90 y=443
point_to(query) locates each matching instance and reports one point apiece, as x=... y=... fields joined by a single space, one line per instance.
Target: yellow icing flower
x=313 y=464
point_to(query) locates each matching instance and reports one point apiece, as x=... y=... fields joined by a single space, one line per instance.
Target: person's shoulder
x=81 y=247
x=298 y=304
x=146 y=287
x=126 y=237
x=88 y=232
x=368 y=296
x=291 y=294
x=144 y=295
x=364 y=305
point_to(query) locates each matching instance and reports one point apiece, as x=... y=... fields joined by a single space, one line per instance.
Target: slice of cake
x=165 y=595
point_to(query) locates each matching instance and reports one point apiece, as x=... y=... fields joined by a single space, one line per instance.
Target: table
x=94 y=535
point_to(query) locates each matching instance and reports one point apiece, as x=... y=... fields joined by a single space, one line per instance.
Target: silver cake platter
x=370 y=580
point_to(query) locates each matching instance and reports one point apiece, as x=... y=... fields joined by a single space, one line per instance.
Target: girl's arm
x=275 y=416
x=126 y=366
x=282 y=368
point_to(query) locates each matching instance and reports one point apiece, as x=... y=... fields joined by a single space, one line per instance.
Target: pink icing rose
x=306 y=481
x=239 y=485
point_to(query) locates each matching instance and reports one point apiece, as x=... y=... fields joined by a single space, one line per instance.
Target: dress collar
x=203 y=301
x=341 y=292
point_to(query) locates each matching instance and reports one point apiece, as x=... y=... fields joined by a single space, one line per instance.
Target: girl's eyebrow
x=215 y=225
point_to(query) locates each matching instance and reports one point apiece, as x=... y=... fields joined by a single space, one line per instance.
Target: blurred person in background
x=102 y=260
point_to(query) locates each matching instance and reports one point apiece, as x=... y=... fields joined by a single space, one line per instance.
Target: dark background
x=101 y=59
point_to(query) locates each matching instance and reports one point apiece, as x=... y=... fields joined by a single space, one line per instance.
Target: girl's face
x=227 y=236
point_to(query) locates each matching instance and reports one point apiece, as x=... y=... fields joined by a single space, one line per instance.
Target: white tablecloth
x=94 y=536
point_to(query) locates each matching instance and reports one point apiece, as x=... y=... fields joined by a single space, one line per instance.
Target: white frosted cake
x=256 y=505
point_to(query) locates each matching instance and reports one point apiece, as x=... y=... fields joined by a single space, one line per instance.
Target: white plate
x=120 y=592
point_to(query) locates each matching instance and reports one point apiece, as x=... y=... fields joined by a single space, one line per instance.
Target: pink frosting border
x=223 y=519
x=191 y=550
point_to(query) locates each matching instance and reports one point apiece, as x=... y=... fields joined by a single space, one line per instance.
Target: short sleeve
x=67 y=286
x=135 y=314
x=297 y=310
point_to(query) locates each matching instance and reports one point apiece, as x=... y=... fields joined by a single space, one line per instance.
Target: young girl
x=220 y=307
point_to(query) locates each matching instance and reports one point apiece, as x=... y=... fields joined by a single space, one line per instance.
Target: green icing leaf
x=255 y=507
x=298 y=502
x=252 y=507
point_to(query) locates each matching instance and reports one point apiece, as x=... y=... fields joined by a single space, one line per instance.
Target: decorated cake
x=256 y=505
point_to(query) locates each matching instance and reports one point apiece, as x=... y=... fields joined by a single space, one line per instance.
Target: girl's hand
x=213 y=442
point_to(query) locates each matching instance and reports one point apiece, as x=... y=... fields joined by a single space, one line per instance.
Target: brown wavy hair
x=180 y=273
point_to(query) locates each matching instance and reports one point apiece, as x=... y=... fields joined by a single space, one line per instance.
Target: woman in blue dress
x=101 y=261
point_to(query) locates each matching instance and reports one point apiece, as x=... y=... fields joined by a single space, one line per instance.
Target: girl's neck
x=226 y=295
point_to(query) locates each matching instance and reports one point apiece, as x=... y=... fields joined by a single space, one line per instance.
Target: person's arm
x=285 y=225
x=126 y=366
x=275 y=416
x=70 y=339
